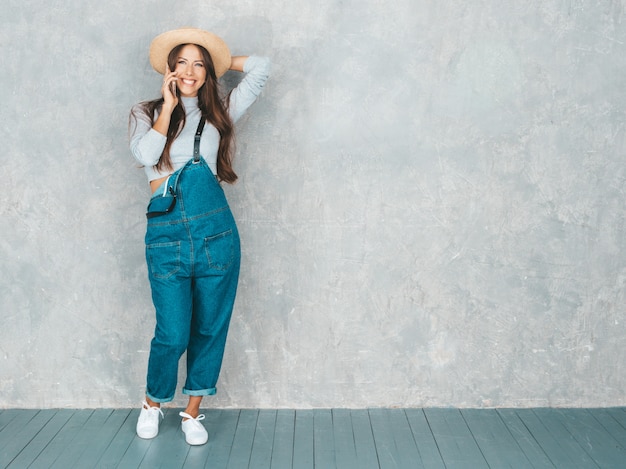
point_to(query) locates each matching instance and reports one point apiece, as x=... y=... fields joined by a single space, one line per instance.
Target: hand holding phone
x=173 y=82
x=169 y=76
x=169 y=86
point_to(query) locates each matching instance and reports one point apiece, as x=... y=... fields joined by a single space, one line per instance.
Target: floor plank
x=364 y=444
x=61 y=440
x=34 y=448
x=323 y=439
x=244 y=438
x=386 y=450
x=6 y=416
x=282 y=455
x=120 y=442
x=619 y=415
x=24 y=432
x=263 y=444
x=101 y=438
x=12 y=427
x=343 y=436
x=303 y=455
x=496 y=443
x=601 y=447
x=555 y=441
x=221 y=426
x=82 y=440
x=394 y=440
x=426 y=444
x=528 y=444
x=611 y=425
x=409 y=455
x=454 y=439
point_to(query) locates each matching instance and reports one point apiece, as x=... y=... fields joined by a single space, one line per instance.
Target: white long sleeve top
x=146 y=144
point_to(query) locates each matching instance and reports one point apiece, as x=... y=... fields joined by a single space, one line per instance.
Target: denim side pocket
x=163 y=259
x=220 y=250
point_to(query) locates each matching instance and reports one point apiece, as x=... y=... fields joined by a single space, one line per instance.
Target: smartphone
x=173 y=83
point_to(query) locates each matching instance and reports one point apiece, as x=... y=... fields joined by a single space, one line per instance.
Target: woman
x=184 y=140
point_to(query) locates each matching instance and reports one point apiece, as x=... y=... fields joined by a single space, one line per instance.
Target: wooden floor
x=337 y=438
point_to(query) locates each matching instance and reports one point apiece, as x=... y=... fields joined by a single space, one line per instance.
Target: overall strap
x=171 y=188
x=196 y=143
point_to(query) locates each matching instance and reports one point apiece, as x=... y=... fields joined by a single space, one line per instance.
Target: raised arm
x=257 y=70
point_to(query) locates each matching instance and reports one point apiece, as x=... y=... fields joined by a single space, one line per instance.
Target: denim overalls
x=193 y=256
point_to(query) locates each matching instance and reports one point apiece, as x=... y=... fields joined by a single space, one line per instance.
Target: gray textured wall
x=431 y=203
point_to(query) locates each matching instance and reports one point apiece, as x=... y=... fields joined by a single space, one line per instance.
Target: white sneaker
x=195 y=433
x=148 y=421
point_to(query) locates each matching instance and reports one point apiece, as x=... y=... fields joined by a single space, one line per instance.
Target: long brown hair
x=212 y=108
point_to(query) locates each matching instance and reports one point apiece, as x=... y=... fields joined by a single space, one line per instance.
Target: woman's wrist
x=163 y=121
x=168 y=108
x=237 y=62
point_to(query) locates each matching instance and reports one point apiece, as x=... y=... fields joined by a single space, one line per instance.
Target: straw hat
x=162 y=45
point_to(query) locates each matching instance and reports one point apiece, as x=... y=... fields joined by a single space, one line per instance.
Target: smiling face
x=190 y=70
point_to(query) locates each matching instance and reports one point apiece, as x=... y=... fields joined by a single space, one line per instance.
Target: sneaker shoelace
x=152 y=410
x=190 y=418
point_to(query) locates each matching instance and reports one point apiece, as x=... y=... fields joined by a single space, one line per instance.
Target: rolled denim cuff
x=200 y=392
x=159 y=400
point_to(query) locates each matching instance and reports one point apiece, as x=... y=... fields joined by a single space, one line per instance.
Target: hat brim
x=163 y=44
